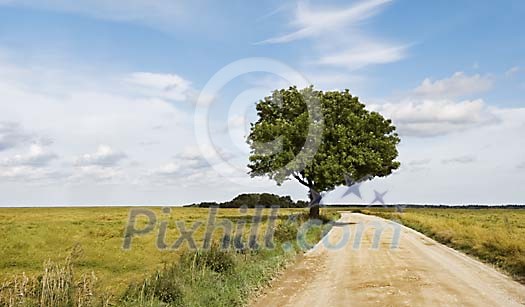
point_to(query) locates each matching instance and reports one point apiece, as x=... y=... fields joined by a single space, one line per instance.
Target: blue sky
x=99 y=97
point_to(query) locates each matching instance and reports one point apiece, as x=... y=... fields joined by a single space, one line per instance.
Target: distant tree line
x=415 y=206
x=252 y=200
x=268 y=200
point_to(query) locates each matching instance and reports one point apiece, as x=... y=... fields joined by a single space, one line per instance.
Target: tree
x=320 y=139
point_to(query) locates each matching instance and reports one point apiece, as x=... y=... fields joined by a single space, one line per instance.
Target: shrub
x=163 y=285
x=285 y=232
x=166 y=287
x=214 y=258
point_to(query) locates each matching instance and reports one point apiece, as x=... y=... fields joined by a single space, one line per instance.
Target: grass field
x=31 y=236
x=496 y=236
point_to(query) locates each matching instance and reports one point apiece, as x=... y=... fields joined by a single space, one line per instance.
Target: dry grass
x=33 y=236
x=19 y=291
x=55 y=287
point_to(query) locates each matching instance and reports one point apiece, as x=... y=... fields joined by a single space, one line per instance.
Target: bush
x=167 y=289
x=285 y=232
x=163 y=286
x=215 y=259
x=197 y=274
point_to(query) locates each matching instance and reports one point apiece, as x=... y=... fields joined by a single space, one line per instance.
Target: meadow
x=32 y=236
x=85 y=246
x=495 y=236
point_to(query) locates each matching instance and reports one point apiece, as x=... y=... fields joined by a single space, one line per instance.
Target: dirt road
x=419 y=272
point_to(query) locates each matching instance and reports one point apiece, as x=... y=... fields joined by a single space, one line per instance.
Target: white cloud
x=94 y=116
x=105 y=156
x=338 y=37
x=169 y=169
x=437 y=117
x=76 y=117
x=161 y=14
x=102 y=166
x=166 y=86
x=432 y=110
x=180 y=168
x=492 y=178
x=367 y=54
x=192 y=167
x=191 y=160
x=95 y=173
x=30 y=167
x=459 y=84
x=313 y=22
x=29 y=174
x=37 y=157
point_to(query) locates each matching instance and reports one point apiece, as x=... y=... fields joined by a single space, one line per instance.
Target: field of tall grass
x=74 y=257
x=495 y=236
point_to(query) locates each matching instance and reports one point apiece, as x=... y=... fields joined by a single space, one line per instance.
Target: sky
x=149 y=102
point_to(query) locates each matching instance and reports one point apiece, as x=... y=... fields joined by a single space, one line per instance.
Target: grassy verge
x=495 y=236
x=209 y=277
x=218 y=277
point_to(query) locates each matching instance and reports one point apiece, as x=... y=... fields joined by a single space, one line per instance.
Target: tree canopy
x=320 y=139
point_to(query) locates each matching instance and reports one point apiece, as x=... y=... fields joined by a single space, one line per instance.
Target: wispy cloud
x=512 y=71
x=159 y=13
x=313 y=22
x=166 y=86
x=326 y=26
x=365 y=54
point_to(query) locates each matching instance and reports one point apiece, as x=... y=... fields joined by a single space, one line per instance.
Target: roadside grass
x=495 y=236
x=104 y=273
x=187 y=283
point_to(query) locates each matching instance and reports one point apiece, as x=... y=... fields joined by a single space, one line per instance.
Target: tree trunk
x=314 y=211
x=315 y=199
